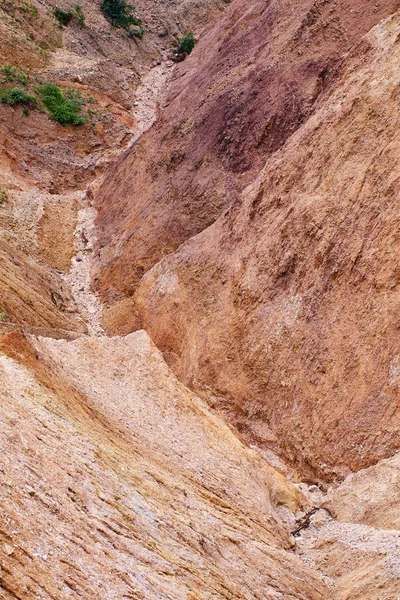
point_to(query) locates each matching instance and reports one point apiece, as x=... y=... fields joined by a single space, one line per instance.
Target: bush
x=17 y=96
x=62 y=16
x=65 y=108
x=185 y=44
x=119 y=13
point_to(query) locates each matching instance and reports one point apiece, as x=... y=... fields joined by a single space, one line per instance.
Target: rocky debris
x=356 y=561
x=370 y=496
x=78 y=277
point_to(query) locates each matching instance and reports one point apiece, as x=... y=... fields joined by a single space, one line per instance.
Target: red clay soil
x=251 y=82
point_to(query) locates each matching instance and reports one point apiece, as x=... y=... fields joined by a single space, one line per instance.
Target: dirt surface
x=251 y=82
x=140 y=501
x=45 y=168
x=277 y=477
x=284 y=313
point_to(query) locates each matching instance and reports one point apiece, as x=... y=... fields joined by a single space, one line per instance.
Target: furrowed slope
x=285 y=311
x=250 y=83
x=121 y=484
x=46 y=169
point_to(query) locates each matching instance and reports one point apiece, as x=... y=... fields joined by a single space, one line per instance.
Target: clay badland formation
x=199 y=330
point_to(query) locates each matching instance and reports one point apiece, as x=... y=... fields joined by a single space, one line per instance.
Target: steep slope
x=46 y=169
x=284 y=313
x=250 y=83
x=122 y=484
x=31 y=294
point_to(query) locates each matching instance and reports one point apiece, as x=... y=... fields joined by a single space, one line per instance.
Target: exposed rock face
x=286 y=310
x=252 y=81
x=357 y=561
x=116 y=480
x=121 y=483
x=370 y=496
x=33 y=295
x=45 y=168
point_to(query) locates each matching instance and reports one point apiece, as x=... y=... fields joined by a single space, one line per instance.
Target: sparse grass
x=4 y=318
x=11 y=73
x=120 y=14
x=17 y=96
x=79 y=16
x=63 y=107
x=3 y=195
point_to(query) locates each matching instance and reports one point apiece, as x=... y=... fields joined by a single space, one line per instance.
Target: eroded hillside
x=252 y=82
x=48 y=170
x=238 y=213
x=296 y=288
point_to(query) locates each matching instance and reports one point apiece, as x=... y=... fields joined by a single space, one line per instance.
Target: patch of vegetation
x=185 y=44
x=3 y=195
x=67 y=107
x=79 y=16
x=27 y=7
x=4 y=318
x=11 y=73
x=64 y=107
x=17 y=96
x=120 y=14
x=62 y=16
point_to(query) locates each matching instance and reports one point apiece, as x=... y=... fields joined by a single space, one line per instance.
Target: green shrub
x=64 y=107
x=186 y=43
x=62 y=16
x=119 y=13
x=17 y=96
